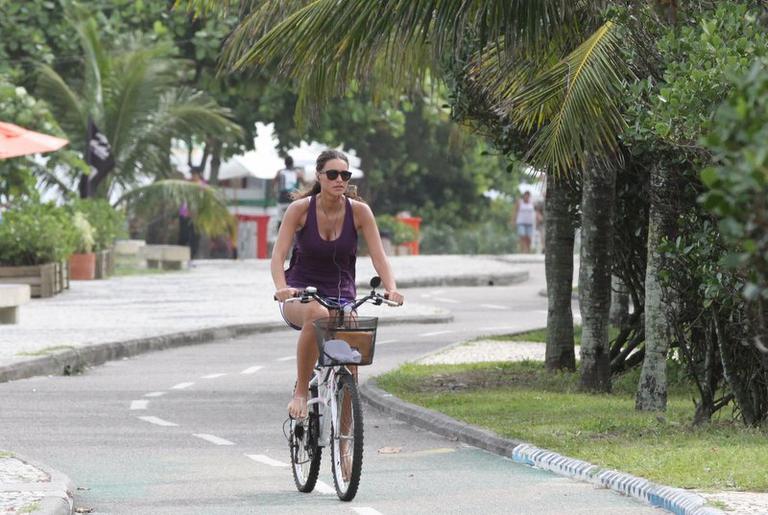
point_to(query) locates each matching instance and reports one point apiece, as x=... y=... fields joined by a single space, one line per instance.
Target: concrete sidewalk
x=96 y=321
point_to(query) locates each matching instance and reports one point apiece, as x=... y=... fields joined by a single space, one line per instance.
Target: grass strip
x=540 y=336
x=521 y=400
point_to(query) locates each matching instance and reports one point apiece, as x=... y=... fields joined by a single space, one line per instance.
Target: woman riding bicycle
x=324 y=223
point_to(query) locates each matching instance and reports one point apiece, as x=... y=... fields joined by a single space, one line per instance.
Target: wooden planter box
x=61 y=280
x=42 y=279
x=65 y=274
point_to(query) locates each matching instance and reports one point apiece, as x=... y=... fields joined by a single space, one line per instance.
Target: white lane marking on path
x=366 y=511
x=213 y=439
x=181 y=386
x=158 y=421
x=213 y=376
x=266 y=460
x=287 y=358
x=435 y=333
x=139 y=404
x=251 y=370
x=379 y=342
x=324 y=488
x=493 y=306
x=447 y=301
x=155 y=394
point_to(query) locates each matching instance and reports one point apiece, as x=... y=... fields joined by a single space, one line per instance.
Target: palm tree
x=539 y=62
x=133 y=96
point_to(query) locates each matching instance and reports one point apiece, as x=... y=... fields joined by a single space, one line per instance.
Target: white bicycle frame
x=326 y=397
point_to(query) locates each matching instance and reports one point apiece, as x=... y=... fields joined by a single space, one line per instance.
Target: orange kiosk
x=415 y=222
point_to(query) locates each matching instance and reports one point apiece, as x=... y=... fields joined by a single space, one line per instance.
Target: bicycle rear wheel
x=347 y=439
x=305 y=451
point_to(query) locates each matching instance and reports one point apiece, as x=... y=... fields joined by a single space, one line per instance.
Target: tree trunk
x=213 y=180
x=619 y=313
x=652 y=389
x=597 y=209
x=558 y=263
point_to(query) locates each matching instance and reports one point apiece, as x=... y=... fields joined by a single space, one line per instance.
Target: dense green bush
x=484 y=238
x=397 y=231
x=108 y=223
x=34 y=234
x=738 y=184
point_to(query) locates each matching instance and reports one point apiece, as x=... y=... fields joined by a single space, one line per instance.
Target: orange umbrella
x=17 y=141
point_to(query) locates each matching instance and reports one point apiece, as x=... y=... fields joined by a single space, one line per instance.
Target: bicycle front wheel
x=347 y=439
x=305 y=451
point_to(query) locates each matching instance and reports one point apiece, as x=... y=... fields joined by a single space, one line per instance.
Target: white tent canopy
x=264 y=162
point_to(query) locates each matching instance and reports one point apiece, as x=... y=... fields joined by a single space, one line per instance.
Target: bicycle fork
x=326 y=389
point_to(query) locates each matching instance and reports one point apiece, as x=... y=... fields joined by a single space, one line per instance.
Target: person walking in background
x=289 y=180
x=525 y=216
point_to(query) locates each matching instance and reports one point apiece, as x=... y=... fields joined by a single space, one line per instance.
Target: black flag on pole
x=98 y=154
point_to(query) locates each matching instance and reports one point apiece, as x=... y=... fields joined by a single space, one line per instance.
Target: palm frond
x=141 y=75
x=207 y=205
x=180 y=113
x=587 y=86
x=65 y=103
x=328 y=44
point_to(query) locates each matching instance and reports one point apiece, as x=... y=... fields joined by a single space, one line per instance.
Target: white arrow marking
x=266 y=460
x=139 y=404
x=435 y=333
x=214 y=439
x=158 y=421
x=493 y=306
x=181 y=386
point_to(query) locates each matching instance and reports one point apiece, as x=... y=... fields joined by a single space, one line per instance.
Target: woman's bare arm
x=288 y=227
x=367 y=225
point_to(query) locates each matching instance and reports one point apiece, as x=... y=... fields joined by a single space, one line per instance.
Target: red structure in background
x=262 y=223
x=415 y=222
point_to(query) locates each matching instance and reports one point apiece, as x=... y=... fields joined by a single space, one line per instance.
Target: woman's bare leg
x=306 y=351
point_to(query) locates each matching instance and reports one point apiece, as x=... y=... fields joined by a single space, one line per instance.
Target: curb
x=73 y=361
x=505 y=279
x=675 y=500
x=59 y=491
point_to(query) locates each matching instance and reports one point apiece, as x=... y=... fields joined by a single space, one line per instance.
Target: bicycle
x=335 y=416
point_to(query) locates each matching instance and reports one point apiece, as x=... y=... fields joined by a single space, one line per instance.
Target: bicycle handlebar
x=310 y=293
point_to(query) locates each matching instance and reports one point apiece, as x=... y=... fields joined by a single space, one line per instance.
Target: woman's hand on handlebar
x=284 y=294
x=394 y=296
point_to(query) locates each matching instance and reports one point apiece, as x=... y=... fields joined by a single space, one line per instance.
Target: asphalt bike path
x=198 y=429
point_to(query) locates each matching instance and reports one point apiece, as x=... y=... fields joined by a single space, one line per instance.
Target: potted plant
x=34 y=238
x=82 y=262
x=108 y=224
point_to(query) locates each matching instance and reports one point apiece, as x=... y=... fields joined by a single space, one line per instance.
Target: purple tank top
x=327 y=265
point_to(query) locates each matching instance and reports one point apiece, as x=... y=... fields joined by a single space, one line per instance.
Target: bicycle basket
x=359 y=333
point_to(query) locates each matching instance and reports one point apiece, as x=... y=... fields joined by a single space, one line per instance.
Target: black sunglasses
x=333 y=174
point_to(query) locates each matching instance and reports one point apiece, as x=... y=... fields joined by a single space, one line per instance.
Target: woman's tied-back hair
x=324 y=157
